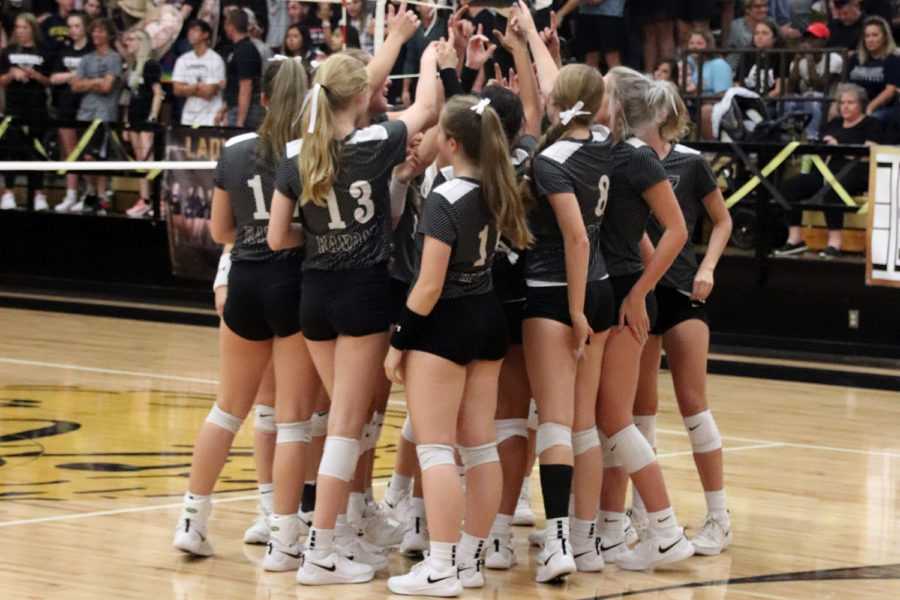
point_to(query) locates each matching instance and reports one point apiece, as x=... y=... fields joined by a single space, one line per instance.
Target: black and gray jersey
x=456 y=214
x=405 y=256
x=249 y=182
x=637 y=169
x=353 y=230
x=569 y=166
x=692 y=179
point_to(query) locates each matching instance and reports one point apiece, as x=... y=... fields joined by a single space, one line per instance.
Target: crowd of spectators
x=198 y=62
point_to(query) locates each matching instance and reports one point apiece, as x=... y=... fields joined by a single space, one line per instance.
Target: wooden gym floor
x=98 y=415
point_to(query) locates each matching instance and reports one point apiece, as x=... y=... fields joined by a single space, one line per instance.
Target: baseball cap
x=819 y=30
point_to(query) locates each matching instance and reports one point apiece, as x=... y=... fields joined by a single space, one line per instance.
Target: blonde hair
x=136 y=63
x=630 y=113
x=283 y=82
x=37 y=37
x=890 y=47
x=574 y=83
x=664 y=96
x=341 y=78
x=484 y=143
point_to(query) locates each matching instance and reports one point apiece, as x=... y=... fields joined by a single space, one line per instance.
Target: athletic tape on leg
x=318 y=424
x=228 y=422
x=552 y=434
x=297 y=431
x=264 y=418
x=339 y=457
x=584 y=440
x=432 y=455
x=532 y=415
x=407 y=431
x=609 y=459
x=703 y=432
x=646 y=424
x=507 y=428
x=472 y=456
x=632 y=450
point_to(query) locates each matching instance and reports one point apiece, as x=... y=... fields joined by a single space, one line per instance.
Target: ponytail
x=663 y=98
x=283 y=82
x=527 y=187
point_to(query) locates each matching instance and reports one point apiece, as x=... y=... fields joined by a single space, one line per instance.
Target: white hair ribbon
x=567 y=115
x=313 y=108
x=479 y=108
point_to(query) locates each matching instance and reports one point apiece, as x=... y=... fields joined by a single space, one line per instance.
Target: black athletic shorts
x=601 y=33
x=465 y=329
x=676 y=308
x=515 y=314
x=399 y=293
x=552 y=302
x=621 y=285
x=263 y=299
x=354 y=303
x=696 y=10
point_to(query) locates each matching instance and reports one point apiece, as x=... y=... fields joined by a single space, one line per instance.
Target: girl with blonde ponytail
x=339 y=175
x=637 y=107
x=450 y=341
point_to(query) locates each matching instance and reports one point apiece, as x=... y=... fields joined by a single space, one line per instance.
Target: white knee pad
x=339 y=457
x=584 y=440
x=318 y=424
x=432 y=455
x=297 y=431
x=632 y=449
x=552 y=434
x=228 y=422
x=532 y=415
x=646 y=424
x=407 y=431
x=703 y=432
x=264 y=418
x=472 y=456
x=507 y=428
x=609 y=459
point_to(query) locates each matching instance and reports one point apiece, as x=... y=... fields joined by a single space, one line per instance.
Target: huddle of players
x=555 y=273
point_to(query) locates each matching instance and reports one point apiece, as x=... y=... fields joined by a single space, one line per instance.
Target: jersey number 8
x=604 y=196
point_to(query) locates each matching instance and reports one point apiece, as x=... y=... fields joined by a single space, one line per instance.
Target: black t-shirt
x=25 y=99
x=243 y=62
x=55 y=32
x=869 y=129
x=875 y=75
x=456 y=214
x=637 y=168
x=353 y=231
x=64 y=99
x=142 y=96
x=250 y=182
x=845 y=36
x=692 y=180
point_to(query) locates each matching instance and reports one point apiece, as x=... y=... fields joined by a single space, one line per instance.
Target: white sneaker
x=654 y=551
x=395 y=507
x=192 y=538
x=714 y=536
x=415 y=538
x=380 y=530
x=471 y=574
x=258 y=533
x=40 y=203
x=280 y=557
x=66 y=205
x=499 y=554
x=8 y=201
x=587 y=555
x=334 y=568
x=537 y=538
x=425 y=580
x=359 y=550
x=554 y=561
x=524 y=515
x=612 y=546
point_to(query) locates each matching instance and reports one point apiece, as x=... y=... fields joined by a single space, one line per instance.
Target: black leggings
x=805 y=185
x=19 y=145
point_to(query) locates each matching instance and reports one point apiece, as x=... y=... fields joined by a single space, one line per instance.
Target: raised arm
x=543 y=61
x=402 y=26
x=516 y=45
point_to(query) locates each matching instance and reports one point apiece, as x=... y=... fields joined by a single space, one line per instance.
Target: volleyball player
x=259 y=322
x=450 y=341
x=340 y=177
x=682 y=326
x=639 y=185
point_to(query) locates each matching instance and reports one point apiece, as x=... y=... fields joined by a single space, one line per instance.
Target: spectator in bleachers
x=432 y=28
x=243 y=69
x=812 y=75
x=255 y=32
x=716 y=76
x=199 y=76
x=65 y=101
x=693 y=15
x=846 y=25
x=800 y=11
x=600 y=28
x=668 y=70
x=320 y=20
x=298 y=43
x=359 y=18
x=54 y=28
x=742 y=30
x=762 y=73
x=94 y=9
x=851 y=127
x=657 y=29
x=876 y=68
x=24 y=74
x=145 y=95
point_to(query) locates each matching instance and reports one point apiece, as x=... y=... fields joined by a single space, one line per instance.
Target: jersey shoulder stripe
x=685 y=149
x=292 y=148
x=600 y=133
x=519 y=155
x=372 y=133
x=240 y=138
x=635 y=142
x=561 y=151
x=455 y=189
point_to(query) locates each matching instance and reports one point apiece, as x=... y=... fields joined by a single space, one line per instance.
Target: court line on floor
x=36 y=363
x=792 y=444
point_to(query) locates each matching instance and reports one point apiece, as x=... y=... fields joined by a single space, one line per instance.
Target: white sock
x=417 y=507
x=581 y=528
x=196 y=508
x=470 y=547
x=611 y=525
x=370 y=497
x=636 y=501
x=341 y=528
x=267 y=496
x=319 y=542
x=502 y=526
x=442 y=555
x=716 y=504
x=557 y=528
x=525 y=492
x=664 y=522
x=399 y=486
x=356 y=506
x=71 y=194
x=282 y=526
